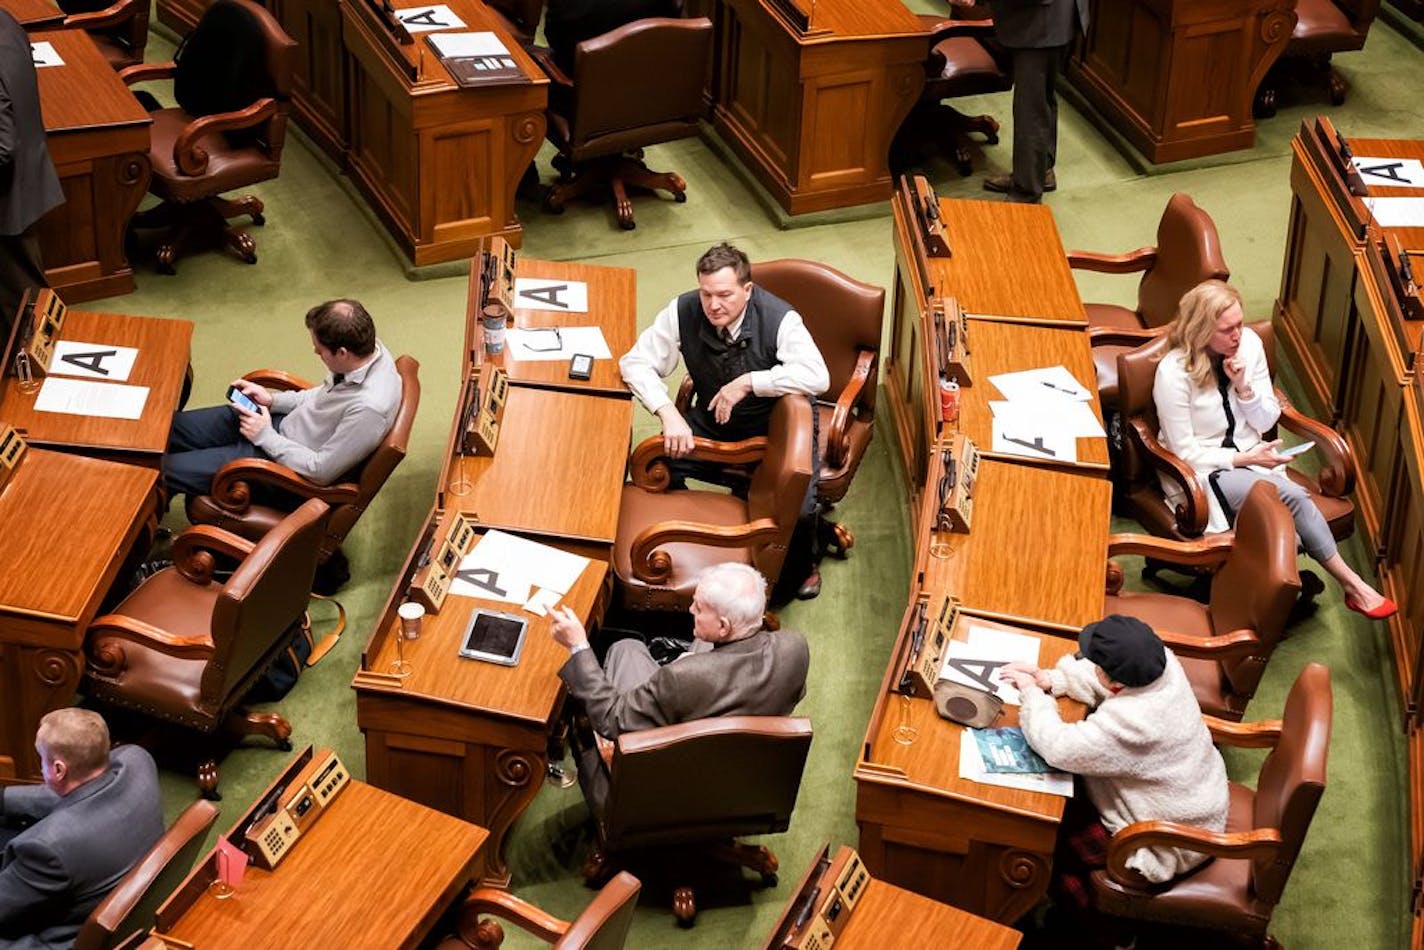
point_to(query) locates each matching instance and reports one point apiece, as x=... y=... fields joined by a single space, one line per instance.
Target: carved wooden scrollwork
x=107 y=658
x=133 y=170
x=1021 y=869
x=55 y=667
x=529 y=127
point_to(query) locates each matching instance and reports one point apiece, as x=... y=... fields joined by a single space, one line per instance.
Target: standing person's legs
x=1035 y=121
x=21 y=267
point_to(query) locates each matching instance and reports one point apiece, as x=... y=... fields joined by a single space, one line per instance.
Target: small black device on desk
x=580 y=366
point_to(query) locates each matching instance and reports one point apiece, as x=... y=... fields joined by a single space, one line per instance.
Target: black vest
x=713 y=363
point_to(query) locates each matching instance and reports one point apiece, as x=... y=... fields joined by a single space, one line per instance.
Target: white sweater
x=1193 y=422
x=1144 y=755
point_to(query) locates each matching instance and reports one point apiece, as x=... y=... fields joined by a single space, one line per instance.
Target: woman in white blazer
x=1214 y=398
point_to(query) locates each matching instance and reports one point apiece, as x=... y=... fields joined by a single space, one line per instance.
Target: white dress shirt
x=653 y=358
x=1193 y=423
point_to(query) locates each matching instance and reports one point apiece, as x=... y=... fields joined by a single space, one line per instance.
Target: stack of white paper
x=517 y=571
x=1044 y=413
x=971 y=767
x=535 y=344
x=975 y=661
x=77 y=397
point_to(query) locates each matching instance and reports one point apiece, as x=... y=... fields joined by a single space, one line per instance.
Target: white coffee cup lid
x=411 y=610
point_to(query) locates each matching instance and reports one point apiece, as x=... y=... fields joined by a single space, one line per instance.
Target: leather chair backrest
x=238 y=53
x=130 y=905
x=1188 y=252
x=640 y=84
x=1136 y=372
x=1258 y=585
x=843 y=315
x=705 y=780
x=380 y=463
x=264 y=598
x=605 y=922
x=779 y=484
x=132 y=33
x=1292 y=778
x=523 y=15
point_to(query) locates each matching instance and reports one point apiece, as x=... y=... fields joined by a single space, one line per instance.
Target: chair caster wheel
x=285 y=745
x=680 y=197
x=259 y=219
x=770 y=880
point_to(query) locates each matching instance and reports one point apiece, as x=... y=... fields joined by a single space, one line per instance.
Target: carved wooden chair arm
x=108 y=634
x=232 y=488
x=1192 y=512
x=1337 y=468
x=948 y=29
x=492 y=900
x=1124 y=336
x=1133 y=261
x=1257 y=843
x=1232 y=646
x=652 y=566
x=1244 y=735
x=845 y=408
x=605 y=747
x=116 y=15
x=278 y=379
x=148 y=72
x=1208 y=551
x=683 y=398
x=545 y=59
x=648 y=469
x=191 y=158
x=193 y=551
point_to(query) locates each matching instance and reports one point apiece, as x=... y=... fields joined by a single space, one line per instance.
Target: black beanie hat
x=1126 y=649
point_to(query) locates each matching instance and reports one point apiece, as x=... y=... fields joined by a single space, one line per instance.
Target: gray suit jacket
x=28 y=184
x=1038 y=24
x=55 y=872
x=763 y=675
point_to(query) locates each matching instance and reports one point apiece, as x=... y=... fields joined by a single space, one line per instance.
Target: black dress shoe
x=1004 y=184
x=811 y=587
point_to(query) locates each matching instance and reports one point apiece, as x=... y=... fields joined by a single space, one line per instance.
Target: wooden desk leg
x=34 y=681
x=1013 y=880
x=513 y=783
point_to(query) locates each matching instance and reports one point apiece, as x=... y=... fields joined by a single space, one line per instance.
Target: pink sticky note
x=232 y=863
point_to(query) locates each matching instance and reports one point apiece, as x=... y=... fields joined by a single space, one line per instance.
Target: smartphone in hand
x=1295 y=450
x=240 y=399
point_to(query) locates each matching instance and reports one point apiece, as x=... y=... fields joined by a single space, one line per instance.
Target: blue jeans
x=201 y=442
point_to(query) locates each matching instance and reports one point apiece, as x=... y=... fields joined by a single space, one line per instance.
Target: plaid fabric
x=1082 y=849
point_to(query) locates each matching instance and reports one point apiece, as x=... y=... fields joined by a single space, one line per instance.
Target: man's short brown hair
x=77 y=737
x=343 y=323
x=725 y=255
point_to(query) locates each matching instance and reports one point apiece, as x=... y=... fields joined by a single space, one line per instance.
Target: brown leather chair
x=603 y=925
x=1187 y=252
x=639 y=85
x=232 y=79
x=1252 y=860
x=666 y=539
x=690 y=786
x=120 y=29
x=519 y=17
x=230 y=505
x=185 y=649
x=1143 y=457
x=964 y=60
x=1322 y=28
x=134 y=899
x=1224 y=644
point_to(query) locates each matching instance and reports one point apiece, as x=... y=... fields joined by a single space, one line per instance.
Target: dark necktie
x=338 y=378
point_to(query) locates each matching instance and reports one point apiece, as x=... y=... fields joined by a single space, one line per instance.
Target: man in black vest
x=742 y=346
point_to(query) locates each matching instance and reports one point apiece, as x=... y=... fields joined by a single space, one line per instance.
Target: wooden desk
x=557 y=472
x=463 y=736
x=1007 y=347
x=612 y=307
x=1038 y=549
x=375 y=870
x=983 y=848
x=98 y=139
x=1178 y=78
x=161 y=365
x=889 y=916
x=34 y=14
x=812 y=113
x=69 y=524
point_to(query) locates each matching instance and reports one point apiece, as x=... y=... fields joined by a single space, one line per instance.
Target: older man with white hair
x=736 y=666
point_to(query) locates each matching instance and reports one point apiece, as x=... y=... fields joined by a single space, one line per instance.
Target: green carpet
x=320 y=243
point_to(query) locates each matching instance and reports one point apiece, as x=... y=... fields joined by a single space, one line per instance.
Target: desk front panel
x=318 y=86
x=161 y=365
x=34 y=14
x=98 y=139
x=375 y=870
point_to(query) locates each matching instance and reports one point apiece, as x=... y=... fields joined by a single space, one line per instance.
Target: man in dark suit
x=567 y=23
x=1036 y=33
x=28 y=184
x=93 y=818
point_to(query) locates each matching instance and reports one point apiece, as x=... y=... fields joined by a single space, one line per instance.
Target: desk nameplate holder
x=492 y=391
x=271 y=839
x=956 y=488
x=1404 y=284
x=951 y=326
x=46 y=320
x=924 y=204
x=923 y=669
x=498 y=281
x=12 y=450
x=844 y=884
x=431 y=582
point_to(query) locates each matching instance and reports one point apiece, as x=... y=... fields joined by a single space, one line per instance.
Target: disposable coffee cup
x=412 y=615
x=494 y=333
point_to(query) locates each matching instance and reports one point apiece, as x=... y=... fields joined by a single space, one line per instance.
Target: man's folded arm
x=358 y=433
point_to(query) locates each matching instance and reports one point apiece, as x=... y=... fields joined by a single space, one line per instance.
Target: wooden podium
x=1177 y=77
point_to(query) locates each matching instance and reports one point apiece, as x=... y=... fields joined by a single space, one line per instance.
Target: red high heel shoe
x=1385 y=608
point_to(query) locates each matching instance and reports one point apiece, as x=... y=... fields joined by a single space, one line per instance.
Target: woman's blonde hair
x=1197 y=313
